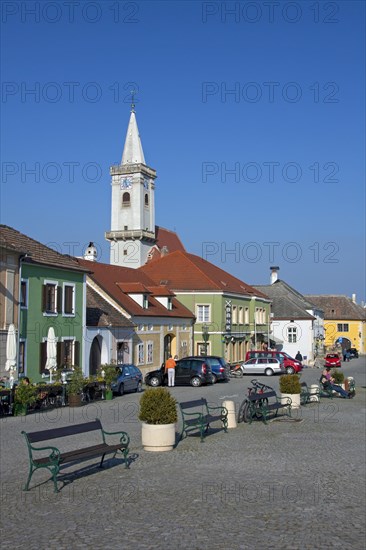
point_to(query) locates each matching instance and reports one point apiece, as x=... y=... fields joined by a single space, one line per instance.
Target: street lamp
x=205 y=336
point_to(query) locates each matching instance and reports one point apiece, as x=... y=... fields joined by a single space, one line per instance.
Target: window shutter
x=42 y=356
x=77 y=353
x=44 y=297
x=59 y=299
x=60 y=354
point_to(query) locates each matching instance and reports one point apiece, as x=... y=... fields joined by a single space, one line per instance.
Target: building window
x=69 y=299
x=241 y=317
x=150 y=354
x=140 y=354
x=24 y=293
x=292 y=335
x=68 y=358
x=126 y=200
x=342 y=327
x=22 y=357
x=246 y=316
x=145 y=302
x=146 y=199
x=51 y=297
x=203 y=313
x=234 y=315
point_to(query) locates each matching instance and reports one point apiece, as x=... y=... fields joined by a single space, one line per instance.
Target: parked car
x=189 y=370
x=263 y=365
x=353 y=353
x=332 y=360
x=291 y=365
x=129 y=378
x=220 y=369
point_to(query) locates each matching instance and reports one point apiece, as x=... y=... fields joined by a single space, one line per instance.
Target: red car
x=332 y=360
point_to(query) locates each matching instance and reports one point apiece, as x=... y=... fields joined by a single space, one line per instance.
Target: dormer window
x=145 y=302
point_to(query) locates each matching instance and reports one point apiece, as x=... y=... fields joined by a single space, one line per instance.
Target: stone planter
x=158 y=437
x=314 y=393
x=295 y=398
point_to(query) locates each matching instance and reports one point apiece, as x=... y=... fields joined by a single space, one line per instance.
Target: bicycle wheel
x=261 y=402
x=243 y=412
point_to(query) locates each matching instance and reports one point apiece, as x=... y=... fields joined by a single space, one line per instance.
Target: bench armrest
x=223 y=410
x=53 y=457
x=281 y=400
x=124 y=437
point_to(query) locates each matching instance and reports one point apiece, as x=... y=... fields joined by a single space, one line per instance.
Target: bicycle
x=248 y=408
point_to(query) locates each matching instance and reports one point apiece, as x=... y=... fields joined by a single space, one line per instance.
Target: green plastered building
x=50 y=291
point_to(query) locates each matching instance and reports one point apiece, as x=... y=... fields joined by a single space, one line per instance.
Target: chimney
x=354 y=298
x=164 y=251
x=90 y=253
x=274 y=273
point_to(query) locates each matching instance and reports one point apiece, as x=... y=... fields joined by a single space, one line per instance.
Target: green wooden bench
x=262 y=405
x=52 y=459
x=201 y=416
x=325 y=391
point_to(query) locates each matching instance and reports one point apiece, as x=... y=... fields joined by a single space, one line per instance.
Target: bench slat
x=45 y=435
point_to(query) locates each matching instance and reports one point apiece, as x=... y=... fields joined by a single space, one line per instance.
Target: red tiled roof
x=99 y=313
x=183 y=271
x=38 y=252
x=133 y=288
x=112 y=279
x=165 y=237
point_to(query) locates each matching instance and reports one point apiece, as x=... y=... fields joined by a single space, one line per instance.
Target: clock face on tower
x=125 y=183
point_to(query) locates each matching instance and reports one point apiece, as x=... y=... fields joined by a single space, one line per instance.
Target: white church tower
x=132 y=231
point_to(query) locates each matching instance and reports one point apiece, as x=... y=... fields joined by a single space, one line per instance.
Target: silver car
x=263 y=365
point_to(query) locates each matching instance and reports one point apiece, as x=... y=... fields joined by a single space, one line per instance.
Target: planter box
x=158 y=437
x=74 y=400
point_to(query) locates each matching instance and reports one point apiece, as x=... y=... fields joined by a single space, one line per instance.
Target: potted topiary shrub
x=75 y=387
x=290 y=387
x=25 y=394
x=338 y=377
x=158 y=414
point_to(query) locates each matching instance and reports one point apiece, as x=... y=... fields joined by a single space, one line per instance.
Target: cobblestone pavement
x=288 y=485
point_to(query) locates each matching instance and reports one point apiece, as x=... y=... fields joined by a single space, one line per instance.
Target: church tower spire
x=132 y=231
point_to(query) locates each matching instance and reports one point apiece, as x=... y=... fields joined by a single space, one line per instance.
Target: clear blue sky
x=272 y=173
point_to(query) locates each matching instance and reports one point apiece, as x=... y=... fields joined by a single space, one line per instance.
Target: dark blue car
x=129 y=378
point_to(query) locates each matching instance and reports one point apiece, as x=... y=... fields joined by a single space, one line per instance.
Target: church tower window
x=126 y=199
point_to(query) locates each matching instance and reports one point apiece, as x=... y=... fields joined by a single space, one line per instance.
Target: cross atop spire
x=133 y=93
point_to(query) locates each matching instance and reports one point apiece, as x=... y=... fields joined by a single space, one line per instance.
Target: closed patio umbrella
x=51 y=362
x=11 y=352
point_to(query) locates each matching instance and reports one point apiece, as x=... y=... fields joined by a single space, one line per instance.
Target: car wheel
x=290 y=370
x=139 y=387
x=214 y=378
x=268 y=372
x=154 y=381
x=121 y=390
x=195 y=382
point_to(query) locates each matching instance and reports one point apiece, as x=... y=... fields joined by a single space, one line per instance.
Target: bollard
x=314 y=393
x=231 y=417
